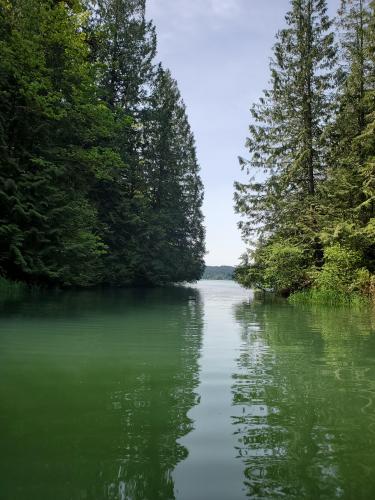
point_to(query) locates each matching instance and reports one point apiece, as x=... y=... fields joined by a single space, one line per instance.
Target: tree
x=151 y=213
x=124 y=46
x=175 y=186
x=347 y=192
x=49 y=119
x=89 y=192
x=342 y=193
x=286 y=141
x=367 y=140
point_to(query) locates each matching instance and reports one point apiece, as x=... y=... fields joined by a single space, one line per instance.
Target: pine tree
x=366 y=141
x=144 y=210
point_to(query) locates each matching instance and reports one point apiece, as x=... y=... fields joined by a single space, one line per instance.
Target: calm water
x=187 y=393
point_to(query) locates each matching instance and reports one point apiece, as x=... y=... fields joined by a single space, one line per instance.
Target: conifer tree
x=343 y=192
x=175 y=187
x=287 y=144
x=286 y=140
x=125 y=51
x=144 y=211
x=90 y=192
x=49 y=120
x=366 y=141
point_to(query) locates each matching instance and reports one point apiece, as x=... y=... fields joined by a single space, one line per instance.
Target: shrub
x=284 y=269
x=277 y=267
x=340 y=270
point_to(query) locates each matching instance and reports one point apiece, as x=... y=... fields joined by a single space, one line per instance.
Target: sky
x=219 y=51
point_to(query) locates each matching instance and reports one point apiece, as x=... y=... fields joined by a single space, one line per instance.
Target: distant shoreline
x=218 y=273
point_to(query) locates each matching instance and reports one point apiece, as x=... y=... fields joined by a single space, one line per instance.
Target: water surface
x=190 y=393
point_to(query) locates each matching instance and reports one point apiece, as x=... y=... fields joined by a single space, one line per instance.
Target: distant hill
x=218 y=273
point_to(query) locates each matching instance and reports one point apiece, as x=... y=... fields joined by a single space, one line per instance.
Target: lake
x=197 y=392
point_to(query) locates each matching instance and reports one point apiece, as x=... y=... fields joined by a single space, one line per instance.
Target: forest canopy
x=99 y=179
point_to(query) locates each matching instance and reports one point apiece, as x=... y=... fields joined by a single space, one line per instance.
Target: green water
x=189 y=393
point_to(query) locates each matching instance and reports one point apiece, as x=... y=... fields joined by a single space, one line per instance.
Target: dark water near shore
x=190 y=393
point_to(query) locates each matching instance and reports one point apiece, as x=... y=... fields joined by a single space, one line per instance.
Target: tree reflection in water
x=303 y=397
x=97 y=387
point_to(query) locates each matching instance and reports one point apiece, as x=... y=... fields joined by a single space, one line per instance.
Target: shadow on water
x=304 y=401
x=95 y=390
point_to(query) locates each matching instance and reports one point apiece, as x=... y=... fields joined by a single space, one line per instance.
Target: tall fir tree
x=89 y=192
x=345 y=193
x=125 y=51
x=314 y=139
x=367 y=143
x=342 y=192
x=286 y=140
x=287 y=145
x=175 y=186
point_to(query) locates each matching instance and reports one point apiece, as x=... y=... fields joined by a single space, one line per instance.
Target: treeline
x=309 y=206
x=218 y=273
x=99 y=180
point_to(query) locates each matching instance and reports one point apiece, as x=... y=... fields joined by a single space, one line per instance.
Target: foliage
x=327 y=297
x=78 y=104
x=284 y=267
x=286 y=140
x=16 y=290
x=49 y=114
x=339 y=270
x=276 y=267
x=11 y=288
x=313 y=137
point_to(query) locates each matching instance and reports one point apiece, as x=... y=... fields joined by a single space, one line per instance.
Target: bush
x=284 y=270
x=339 y=272
x=365 y=283
x=277 y=267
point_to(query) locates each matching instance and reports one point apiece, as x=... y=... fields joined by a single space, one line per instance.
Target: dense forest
x=308 y=208
x=99 y=180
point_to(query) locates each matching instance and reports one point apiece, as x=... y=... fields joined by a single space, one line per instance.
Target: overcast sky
x=218 y=51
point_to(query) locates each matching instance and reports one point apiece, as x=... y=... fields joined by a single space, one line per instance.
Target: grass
x=328 y=297
x=14 y=289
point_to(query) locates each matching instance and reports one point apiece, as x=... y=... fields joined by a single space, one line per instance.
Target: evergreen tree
x=176 y=191
x=125 y=51
x=286 y=140
x=144 y=211
x=367 y=142
x=314 y=211
x=49 y=118
x=90 y=191
x=343 y=192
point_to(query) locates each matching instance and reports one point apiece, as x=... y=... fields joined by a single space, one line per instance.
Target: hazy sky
x=218 y=51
